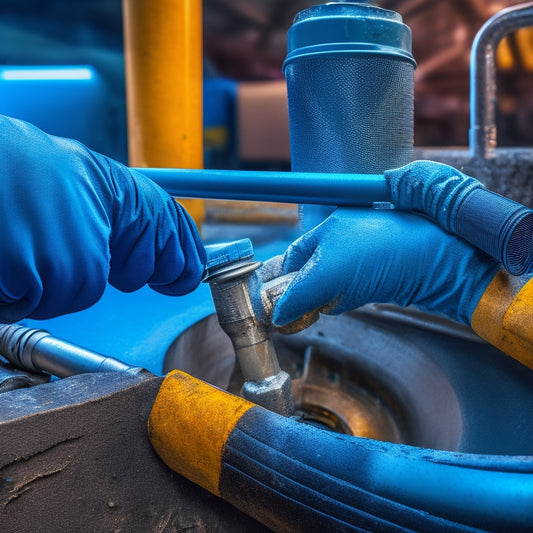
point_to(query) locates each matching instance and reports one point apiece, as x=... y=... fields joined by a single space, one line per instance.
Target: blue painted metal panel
x=68 y=101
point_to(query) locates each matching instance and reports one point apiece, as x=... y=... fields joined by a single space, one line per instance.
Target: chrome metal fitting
x=229 y=271
x=35 y=350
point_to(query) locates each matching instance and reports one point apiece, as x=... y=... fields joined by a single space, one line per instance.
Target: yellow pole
x=163 y=55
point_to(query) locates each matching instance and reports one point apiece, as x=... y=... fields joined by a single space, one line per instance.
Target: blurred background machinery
x=245 y=43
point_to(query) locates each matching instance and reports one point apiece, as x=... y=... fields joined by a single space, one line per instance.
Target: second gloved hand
x=359 y=256
x=72 y=219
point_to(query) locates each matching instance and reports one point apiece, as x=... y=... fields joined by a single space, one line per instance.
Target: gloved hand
x=432 y=188
x=72 y=219
x=460 y=204
x=358 y=256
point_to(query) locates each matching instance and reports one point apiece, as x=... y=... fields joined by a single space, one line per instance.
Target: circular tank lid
x=348 y=27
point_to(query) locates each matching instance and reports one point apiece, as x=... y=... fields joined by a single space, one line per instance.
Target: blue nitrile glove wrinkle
x=435 y=189
x=310 y=216
x=72 y=219
x=359 y=256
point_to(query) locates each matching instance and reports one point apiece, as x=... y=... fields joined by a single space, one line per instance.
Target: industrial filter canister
x=349 y=72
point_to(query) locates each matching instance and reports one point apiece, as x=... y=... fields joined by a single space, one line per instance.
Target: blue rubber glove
x=71 y=219
x=460 y=204
x=435 y=189
x=432 y=188
x=359 y=256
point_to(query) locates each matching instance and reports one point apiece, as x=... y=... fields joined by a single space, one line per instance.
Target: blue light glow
x=46 y=73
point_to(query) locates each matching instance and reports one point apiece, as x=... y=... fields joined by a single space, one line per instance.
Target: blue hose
x=293 y=476
x=296 y=477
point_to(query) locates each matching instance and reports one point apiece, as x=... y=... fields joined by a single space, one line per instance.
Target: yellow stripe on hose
x=189 y=424
x=504 y=316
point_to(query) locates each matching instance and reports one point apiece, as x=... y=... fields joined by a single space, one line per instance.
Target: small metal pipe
x=264 y=382
x=236 y=316
x=358 y=190
x=36 y=350
x=482 y=134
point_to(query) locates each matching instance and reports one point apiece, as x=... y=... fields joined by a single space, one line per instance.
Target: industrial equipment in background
x=244 y=47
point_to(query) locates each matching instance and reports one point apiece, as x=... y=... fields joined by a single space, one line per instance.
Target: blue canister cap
x=348 y=27
x=228 y=252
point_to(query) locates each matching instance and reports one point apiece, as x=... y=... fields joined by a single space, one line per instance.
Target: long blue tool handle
x=357 y=190
x=495 y=224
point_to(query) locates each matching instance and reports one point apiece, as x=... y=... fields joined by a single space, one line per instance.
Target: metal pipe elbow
x=483 y=75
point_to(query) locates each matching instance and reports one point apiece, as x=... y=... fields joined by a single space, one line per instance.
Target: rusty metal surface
x=230 y=283
x=324 y=397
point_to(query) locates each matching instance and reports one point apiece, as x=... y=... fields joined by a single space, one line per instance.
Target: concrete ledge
x=75 y=456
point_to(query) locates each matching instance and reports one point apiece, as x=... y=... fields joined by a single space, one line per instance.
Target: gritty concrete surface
x=75 y=456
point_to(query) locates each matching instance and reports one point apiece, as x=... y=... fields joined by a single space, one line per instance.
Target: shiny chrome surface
x=35 y=350
x=264 y=382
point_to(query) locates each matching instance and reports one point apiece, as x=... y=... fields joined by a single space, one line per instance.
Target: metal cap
x=346 y=27
x=228 y=252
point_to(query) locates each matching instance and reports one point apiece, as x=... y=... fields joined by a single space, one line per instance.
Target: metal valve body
x=230 y=273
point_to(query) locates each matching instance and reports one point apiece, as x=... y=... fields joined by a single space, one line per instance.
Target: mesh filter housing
x=350 y=112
